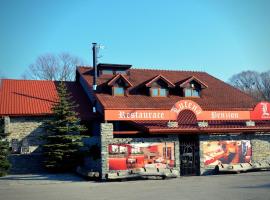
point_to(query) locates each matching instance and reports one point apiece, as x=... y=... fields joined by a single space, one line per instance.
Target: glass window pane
x=188 y=92
x=154 y=92
x=107 y=71
x=120 y=72
x=119 y=91
x=162 y=92
x=195 y=93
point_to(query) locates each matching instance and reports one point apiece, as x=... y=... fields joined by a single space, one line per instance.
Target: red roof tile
x=35 y=98
x=218 y=95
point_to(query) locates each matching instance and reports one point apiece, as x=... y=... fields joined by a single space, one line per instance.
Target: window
x=155 y=92
x=162 y=92
x=120 y=72
x=118 y=91
x=158 y=92
x=191 y=92
x=107 y=71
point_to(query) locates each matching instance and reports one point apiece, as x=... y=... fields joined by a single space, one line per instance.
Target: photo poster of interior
x=141 y=155
x=226 y=152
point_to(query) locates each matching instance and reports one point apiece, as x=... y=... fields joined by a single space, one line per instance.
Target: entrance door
x=189 y=157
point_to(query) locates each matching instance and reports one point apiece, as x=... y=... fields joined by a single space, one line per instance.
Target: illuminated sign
x=260 y=112
x=187 y=105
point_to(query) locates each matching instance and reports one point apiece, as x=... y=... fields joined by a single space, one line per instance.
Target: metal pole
x=94 y=48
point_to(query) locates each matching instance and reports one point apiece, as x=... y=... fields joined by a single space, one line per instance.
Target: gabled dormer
x=119 y=84
x=159 y=86
x=191 y=87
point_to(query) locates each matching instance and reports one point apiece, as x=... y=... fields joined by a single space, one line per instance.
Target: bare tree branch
x=53 y=67
x=253 y=83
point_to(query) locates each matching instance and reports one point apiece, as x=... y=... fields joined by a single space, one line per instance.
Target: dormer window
x=190 y=92
x=107 y=71
x=118 y=91
x=119 y=84
x=158 y=92
x=159 y=86
x=192 y=87
x=120 y=72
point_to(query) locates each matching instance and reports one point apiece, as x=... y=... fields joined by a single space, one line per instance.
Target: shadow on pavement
x=43 y=177
x=257 y=186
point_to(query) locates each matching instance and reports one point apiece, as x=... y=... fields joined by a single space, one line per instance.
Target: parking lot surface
x=246 y=186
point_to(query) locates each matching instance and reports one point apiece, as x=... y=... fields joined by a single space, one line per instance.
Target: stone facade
x=107 y=138
x=27 y=130
x=32 y=129
x=260 y=146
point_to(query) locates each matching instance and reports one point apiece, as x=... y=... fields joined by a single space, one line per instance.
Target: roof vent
x=203 y=124
x=172 y=124
x=250 y=123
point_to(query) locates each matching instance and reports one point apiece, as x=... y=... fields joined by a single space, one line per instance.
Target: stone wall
x=107 y=138
x=260 y=146
x=27 y=129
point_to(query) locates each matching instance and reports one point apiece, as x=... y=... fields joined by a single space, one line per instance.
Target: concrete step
x=143 y=173
x=242 y=167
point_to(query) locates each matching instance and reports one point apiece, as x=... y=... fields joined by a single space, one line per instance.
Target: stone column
x=6 y=125
x=106 y=136
x=175 y=139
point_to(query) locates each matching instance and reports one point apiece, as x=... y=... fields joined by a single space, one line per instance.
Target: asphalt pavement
x=245 y=186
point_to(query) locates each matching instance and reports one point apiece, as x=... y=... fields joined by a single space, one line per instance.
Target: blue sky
x=220 y=37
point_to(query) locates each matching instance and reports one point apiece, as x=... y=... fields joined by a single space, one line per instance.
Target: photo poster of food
x=226 y=152
x=140 y=155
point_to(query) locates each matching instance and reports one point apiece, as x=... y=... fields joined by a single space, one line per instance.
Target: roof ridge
x=34 y=80
x=13 y=79
x=168 y=70
x=152 y=69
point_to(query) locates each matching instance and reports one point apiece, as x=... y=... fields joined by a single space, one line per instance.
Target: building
x=147 y=119
x=25 y=105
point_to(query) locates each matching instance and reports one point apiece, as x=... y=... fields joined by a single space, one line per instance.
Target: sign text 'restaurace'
x=141 y=115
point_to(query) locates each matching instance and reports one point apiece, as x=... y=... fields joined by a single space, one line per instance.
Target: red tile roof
x=35 y=98
x=218 y=96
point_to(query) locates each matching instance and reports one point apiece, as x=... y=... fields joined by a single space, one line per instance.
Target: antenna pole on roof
x=94 y=48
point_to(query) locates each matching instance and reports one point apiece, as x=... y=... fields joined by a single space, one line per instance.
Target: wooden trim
x=170 y=84
x=193 y=78
x=116 y=77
